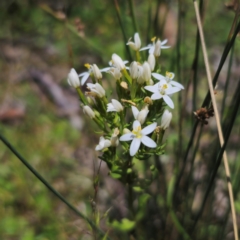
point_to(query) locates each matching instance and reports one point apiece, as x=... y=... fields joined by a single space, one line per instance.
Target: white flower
x=155 y=47
x=151 y=61
x=73 y=79
x=144 y=74
x=96 y=89
x=114 y=138
x=103 y=143
x=168 y=78
x=134 y=70
x=91 y=69
x=115 y=72
x=162 y=90
x=142 y=115
x=115 y=106
x=88 y=111
x=166 y=119
x=136 y=44
x=138 y=136
x=117 y=62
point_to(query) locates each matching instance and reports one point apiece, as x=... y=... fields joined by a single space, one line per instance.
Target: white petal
x=82 y=74
x=147 y=141
x=172 y=90
x=168 y=101
x=110 y=108
x=164 y=41
x=156 y=95
x=127 y=137
x=84 y=78
x=150 y=128
x=165 y=47
x=135 y=112
x=117 y=105
x=176 y=84
x=145 y=48
x=105 y=69
x=136 y=124
x=135 y=146
x=152 y=89
x=158 y=76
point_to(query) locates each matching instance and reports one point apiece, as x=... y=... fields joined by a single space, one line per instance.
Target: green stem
x=127 y=76
x=81 y=96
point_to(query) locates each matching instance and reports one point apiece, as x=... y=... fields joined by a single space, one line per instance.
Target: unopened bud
x=124 y=85
x=166 y=119
x=114 y=138
x=148 y=100
x=88 y=111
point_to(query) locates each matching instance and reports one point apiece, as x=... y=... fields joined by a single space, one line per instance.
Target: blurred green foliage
x=28 y=210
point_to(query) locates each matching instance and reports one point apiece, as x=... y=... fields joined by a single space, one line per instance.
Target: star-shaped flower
x=138 y=136
x=156 y=46
x=163 y=90
x=168 y=78
x=91 y=69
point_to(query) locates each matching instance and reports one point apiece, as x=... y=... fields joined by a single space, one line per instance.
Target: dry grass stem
x=220 y=134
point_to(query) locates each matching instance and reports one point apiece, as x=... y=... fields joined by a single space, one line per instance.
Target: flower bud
x=126 y=130
x=151 y=61
x=124 y=85
x=73 y=79
x=117 y=62
x=157 y=48
x=114 y=138
x=134 y=70
x=166 y=119
x=96 y=89
x=115 y=72
x=96 y=72
x=103 y=143
x=146 y=73
x=115 y=106
x=142 y=115
x=148 y=100
x=88 y=111
x=136 y=44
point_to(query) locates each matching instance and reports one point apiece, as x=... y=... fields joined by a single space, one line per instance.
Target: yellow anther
x=137 y=132
x=87 y=65
x=165 y=86
x=153 y=39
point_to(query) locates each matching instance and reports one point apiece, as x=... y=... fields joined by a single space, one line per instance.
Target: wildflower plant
x=133 y=120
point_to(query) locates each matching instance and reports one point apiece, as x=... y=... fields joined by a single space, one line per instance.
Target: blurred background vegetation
x=39 y=113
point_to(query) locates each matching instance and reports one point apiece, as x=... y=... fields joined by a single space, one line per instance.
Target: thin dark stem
x=133 y=16
x=219 y=157
x=125 y=39
x=55 y=192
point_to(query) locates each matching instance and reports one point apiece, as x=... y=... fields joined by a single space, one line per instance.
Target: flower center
x=137 y=132
x=169 y=76
x=162 y=88
x=87 y=65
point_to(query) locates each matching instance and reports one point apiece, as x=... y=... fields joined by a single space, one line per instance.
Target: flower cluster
x=142 y=94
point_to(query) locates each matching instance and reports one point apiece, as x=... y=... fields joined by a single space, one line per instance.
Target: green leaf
x=125 y=225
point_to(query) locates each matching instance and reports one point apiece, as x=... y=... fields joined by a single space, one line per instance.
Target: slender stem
x=133 y=16
x=123 y=29
x=55 y=192
x=221 y=139
x=173 y=216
